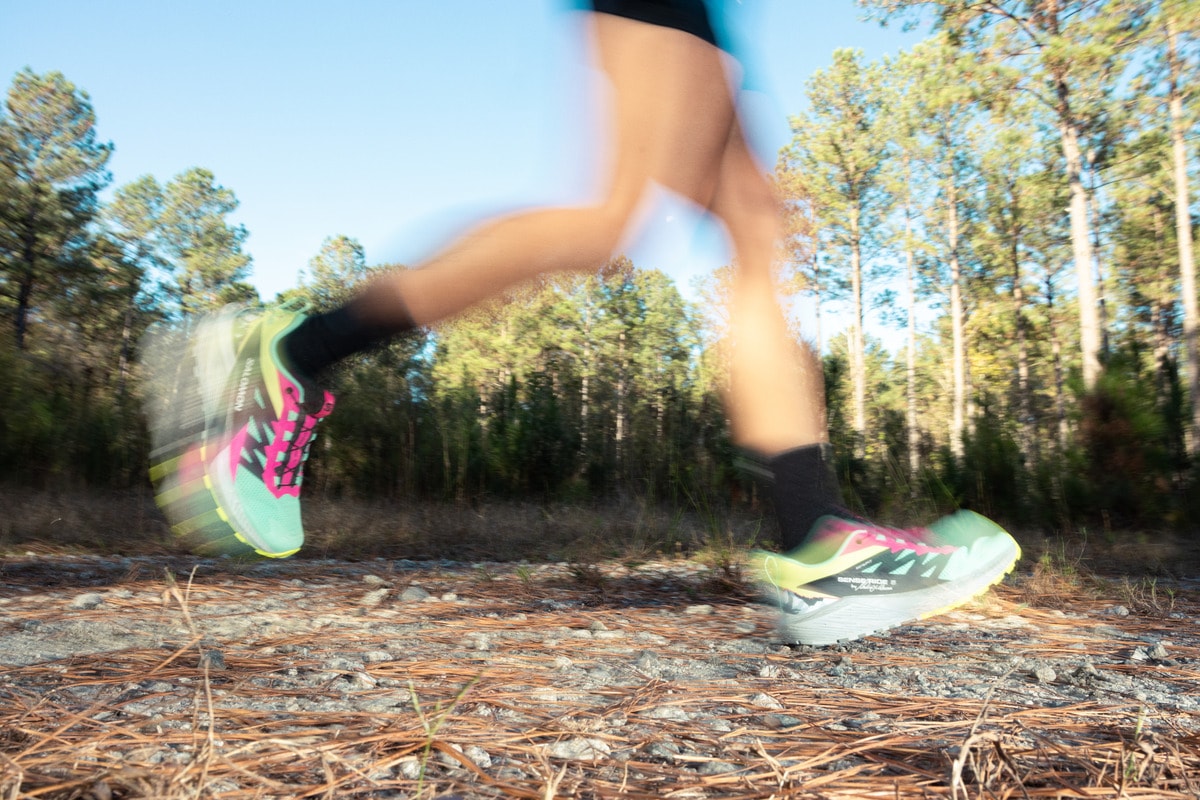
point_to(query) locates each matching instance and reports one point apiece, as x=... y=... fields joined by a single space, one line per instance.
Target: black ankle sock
x=806 y=489
x=322 y=340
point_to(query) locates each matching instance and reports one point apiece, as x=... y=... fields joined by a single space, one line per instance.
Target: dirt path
x=391 y=679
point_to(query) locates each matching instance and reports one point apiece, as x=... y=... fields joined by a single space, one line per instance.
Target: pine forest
x=1010 y=202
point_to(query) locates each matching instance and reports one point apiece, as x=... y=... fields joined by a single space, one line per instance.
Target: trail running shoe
x=231 y=427
x=853 y=579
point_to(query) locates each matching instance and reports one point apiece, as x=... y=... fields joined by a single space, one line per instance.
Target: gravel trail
x=175 y=677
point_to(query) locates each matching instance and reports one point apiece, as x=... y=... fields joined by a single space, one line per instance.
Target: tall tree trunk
x=1093 y=204
x=818 y=285
x=1183 y=231
x=21 y=312
x=914 y=435
x=1029 y=439
x=858 y=359
x=958 y=414
x=126 y=348
x=1081 y=246
x=584 y=383
x=1060 y=394
x=620 y=437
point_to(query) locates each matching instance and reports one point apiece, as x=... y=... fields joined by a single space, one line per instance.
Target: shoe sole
x=850 y=618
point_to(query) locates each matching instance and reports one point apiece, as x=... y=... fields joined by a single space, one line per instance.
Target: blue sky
x=396 y=122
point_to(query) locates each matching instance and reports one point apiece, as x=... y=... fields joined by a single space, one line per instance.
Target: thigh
x=673 y=108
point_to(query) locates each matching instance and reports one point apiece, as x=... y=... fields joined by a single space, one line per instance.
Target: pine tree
x=53 y=168
x=842 y=146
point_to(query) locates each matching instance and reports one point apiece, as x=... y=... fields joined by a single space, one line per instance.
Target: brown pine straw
x=514 y=701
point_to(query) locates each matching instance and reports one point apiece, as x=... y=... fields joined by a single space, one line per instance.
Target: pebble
x=778 y=721
x=373 y=580
x=413 y=594
x=717 y=768
x=667 y=712
x=666 y=750
x=699 y=610
x=212 y=660
x=578 y=749
x=373 y=598
x=1045 y=674
x=763 y=700
x=87 y=601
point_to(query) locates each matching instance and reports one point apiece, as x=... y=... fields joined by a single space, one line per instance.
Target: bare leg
x=671 y=118
x=776 y=398
x=675 y=124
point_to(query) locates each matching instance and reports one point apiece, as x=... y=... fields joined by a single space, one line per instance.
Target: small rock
x=597 y=625
x=699 y=610
x=647 y=661
x=413 y=594
x=665 y=750
x=479 y=757
x=373 y=580
x=674 y=713
x=768 y=671
x=410 y=767
x=1118 y=611
x=363 y=679
x=212 y=660
x=763 y=700
x=87 y=601
x=1157 y=652
x=373 y=598
x=578 y=749
x=716 y=767
x=778 y=721
x=1045 y=674
x=449 y=597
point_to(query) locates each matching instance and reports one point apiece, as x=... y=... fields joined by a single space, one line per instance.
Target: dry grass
x=128 y=523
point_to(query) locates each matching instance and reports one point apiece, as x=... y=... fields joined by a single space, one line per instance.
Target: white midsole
x=861 y=615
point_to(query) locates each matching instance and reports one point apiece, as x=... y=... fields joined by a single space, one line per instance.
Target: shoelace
x=296 y=431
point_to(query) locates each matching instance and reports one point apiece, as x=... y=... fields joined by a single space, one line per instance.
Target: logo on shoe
x=239 y=399
x=862 y=584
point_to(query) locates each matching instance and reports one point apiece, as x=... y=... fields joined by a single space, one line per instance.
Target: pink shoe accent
x=236 y=446
x=861 y=537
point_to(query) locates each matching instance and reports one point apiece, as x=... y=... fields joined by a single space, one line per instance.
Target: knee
x=747 y=198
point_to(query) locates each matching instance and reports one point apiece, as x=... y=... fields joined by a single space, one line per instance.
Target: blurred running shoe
x=231 y=427
x=853 y=579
